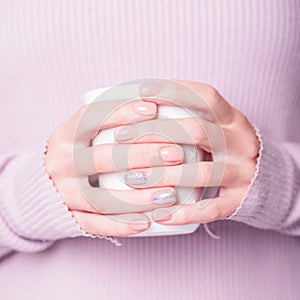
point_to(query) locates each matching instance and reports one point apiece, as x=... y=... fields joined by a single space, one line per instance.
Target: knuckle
x=204 y=174
x=146 y=153
x=198 y=133
x=104 y=159
x=212 y=93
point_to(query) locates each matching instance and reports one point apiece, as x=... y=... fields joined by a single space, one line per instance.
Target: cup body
x=116 y=181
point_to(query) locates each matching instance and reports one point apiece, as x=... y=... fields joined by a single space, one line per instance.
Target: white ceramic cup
x=115 y=181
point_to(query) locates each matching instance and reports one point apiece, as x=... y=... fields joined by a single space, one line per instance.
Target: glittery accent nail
x=164 y=197
x=135 y=177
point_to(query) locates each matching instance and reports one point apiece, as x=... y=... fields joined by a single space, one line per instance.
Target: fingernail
x=163 y=214
x=135 y=177
x=150 y=89
x=145 y=108
x=164 y=197
x=139 y=224
x=125 y=133
x=172 y=153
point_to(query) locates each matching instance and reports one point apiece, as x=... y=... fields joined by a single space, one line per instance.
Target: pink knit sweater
x=53 y=51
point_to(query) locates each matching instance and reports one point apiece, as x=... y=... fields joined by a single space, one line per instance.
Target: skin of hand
x=216 y=127
x=70 y=160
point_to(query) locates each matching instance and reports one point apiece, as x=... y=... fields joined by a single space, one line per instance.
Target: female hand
x=70 y=159
x=218 y=128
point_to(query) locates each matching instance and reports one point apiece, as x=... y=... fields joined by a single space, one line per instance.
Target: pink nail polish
x=171 y=153
x=139 y=225
x=145 y=108
x=125 y=133
x=150 y=89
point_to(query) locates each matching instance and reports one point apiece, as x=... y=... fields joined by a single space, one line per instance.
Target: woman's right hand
x=70 y=159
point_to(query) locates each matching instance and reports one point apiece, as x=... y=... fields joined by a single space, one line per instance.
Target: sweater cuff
x=32 y=212
x=266 y=202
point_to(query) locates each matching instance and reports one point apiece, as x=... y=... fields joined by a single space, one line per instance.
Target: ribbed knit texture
x=53 y=51
x=277 y=179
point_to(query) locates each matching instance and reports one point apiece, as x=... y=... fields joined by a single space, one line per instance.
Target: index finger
x=114 y=106
x=202 y=98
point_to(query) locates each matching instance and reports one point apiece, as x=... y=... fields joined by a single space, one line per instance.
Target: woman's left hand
x=218 y=128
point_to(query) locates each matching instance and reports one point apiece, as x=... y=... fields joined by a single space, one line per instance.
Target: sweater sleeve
x=273 y=197
x=32 y=213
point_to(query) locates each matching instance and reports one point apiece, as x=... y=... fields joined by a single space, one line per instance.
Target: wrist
x=265 y=204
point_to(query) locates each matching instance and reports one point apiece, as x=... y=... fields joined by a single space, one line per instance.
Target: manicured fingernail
x=162 y=214
x=125 y=133
x=164 y=197
x=135 y=177
x=139 y=224
x=172 y=153
x=145 y=108
x=150 y=89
